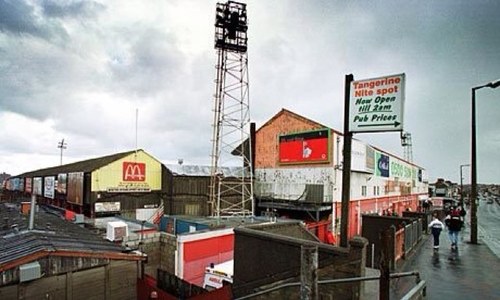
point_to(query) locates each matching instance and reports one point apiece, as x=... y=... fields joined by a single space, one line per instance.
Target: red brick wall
x=266 y=139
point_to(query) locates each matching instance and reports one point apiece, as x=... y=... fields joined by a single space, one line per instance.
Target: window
x=363 y=190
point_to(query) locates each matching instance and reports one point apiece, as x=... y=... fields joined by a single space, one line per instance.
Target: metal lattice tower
x=231 y=185
x=407 y=146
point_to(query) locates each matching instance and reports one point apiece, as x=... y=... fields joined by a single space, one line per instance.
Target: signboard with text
x=377 y=104
x=134 y=179
x=135 y=173
x=107 y=207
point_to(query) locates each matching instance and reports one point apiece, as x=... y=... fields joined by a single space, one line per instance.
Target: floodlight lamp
x=231 y=26
x=494 y=84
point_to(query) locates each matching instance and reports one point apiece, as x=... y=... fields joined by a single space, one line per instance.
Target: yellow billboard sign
x=136 y=173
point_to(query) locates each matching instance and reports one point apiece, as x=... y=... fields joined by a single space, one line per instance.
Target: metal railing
x=336 y=281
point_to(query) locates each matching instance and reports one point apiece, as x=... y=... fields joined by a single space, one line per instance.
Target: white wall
x=289 y=182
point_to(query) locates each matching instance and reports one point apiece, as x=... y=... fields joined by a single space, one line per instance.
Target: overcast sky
x=78 y=70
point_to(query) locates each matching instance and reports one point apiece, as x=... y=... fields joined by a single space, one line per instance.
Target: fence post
x=373 y=255
x=384 y=283
x=309 y=272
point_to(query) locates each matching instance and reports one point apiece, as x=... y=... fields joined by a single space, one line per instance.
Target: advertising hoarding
x=75 y=188
x=370 y=159
x=362 y=157
x=402 y=170
x=37 y=186
x=16 y=184
x=62 y=181
x=27 y=185
x=382 y=161
x=49 y=187
x=133 y=179
x=305 y=147
x=107 y=207
x=136 y=173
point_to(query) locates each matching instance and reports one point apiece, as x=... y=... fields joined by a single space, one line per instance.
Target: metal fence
x=412 y=235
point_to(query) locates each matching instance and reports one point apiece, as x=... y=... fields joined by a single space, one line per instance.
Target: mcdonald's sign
x=133 y=171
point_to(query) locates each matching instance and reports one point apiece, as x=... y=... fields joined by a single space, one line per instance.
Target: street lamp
x=473 y=216
x=462 y=185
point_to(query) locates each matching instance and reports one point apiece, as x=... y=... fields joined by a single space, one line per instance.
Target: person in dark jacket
x=454 y=222
x=436 y=227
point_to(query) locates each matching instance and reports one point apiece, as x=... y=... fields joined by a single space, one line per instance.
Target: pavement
x=472 y=272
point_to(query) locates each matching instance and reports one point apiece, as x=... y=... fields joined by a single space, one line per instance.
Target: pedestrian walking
x=454 y=222
x=462 y=212
x=436 y=227
x=426 y=205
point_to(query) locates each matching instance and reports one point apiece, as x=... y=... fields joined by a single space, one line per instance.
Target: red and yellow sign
x=136 y=173
x=133 y=171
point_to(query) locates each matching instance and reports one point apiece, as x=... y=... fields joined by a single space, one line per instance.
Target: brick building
x=306 y=184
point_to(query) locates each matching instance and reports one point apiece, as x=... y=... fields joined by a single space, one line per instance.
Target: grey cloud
x=60 y=9
x=151 y=64
x=19 y=17
x=37 y=78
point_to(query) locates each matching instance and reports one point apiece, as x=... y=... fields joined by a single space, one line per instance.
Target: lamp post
x=462 y=185
x=473 y=176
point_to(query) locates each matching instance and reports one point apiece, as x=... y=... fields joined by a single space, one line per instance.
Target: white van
x=216 y=275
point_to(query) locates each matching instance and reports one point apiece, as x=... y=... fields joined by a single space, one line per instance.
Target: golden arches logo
x=134 y=171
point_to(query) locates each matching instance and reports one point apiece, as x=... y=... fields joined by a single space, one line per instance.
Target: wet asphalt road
x=471 y=273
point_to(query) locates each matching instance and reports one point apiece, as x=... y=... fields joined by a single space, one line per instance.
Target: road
x=488 y=217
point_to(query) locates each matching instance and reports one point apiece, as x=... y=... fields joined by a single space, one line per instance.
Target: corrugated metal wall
x=116 y=281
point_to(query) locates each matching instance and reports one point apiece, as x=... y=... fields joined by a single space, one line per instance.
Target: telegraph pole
x=346 y=166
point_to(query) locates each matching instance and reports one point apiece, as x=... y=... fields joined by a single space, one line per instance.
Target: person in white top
x=306 y=150
x=436 y=227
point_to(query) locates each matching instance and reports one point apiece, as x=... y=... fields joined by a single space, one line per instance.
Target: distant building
x=120 y=183
x=444 y=188
x=3 y=177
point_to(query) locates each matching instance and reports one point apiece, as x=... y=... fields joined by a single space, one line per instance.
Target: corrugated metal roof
x=90 y=165
x=85 y=166
x=229 y=222
x=50 y=233
x=192 y=170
